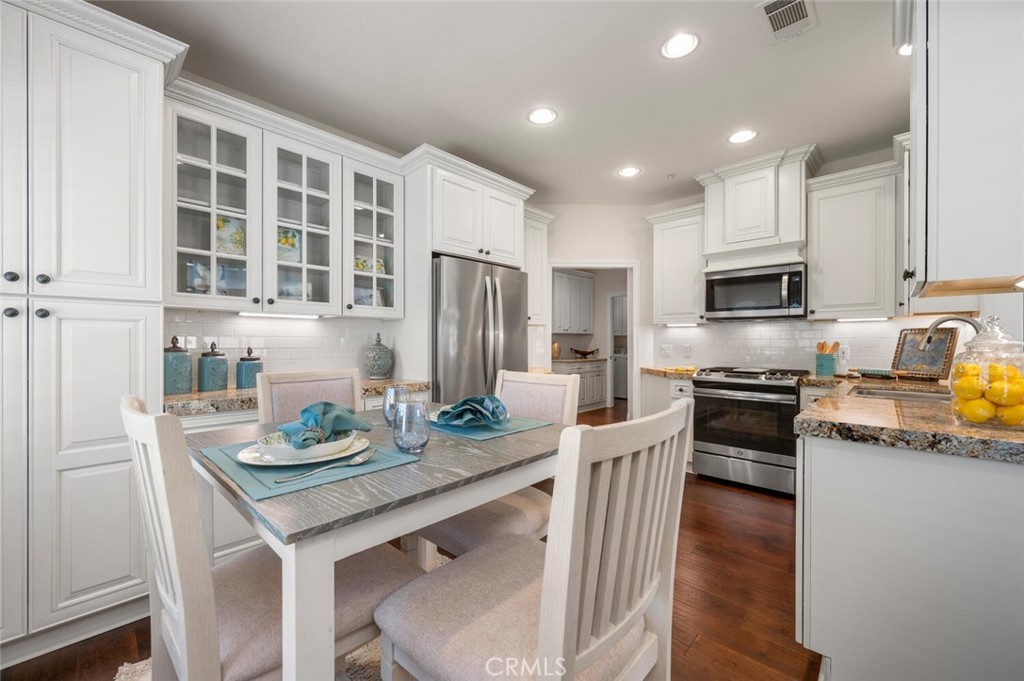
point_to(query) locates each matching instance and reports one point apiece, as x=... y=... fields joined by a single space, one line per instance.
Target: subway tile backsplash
x=784 y=345
x=282 y=344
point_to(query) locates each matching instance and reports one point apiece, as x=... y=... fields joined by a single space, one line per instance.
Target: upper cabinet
x=754 y=210
x=266 y=214
x=851 y=243
x=471 y=212
x=536 y=265
x=82 y=153
x=572 y=308
x=967 y=208
x=678 y=265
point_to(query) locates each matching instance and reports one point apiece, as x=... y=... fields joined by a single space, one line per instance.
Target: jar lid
x=174 y=347
x=378 y=343
x=994 y=338
x=248 y=357
x=213 y=351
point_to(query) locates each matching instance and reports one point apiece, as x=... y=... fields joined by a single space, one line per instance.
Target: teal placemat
x=515 y=425
x=258 y=481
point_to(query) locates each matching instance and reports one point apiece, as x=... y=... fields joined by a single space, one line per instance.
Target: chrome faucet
x=923 y=345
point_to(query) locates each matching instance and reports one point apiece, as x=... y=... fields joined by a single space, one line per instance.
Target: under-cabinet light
x=279 y=316
x=863 y=319
x=1019 y=283
x=675 y=326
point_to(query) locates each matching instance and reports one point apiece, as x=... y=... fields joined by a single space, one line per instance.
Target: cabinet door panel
x=13 y=150
x=88 y=550
x=535 y=263
x=458 y=223
x=13 y=467
x=503 y=228
x=750 y=208
x=96 y=152
x=677 y=272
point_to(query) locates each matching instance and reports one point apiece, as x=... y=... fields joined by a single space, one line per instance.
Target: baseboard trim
x=27 y=647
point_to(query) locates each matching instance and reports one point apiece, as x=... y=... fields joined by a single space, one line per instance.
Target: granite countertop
x=902 y=385
x=233 y=399
x=574 y=361
x=667 y=372
x=905 y=424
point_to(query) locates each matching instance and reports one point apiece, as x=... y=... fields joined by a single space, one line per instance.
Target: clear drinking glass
x=392 y=395
x=412 y=428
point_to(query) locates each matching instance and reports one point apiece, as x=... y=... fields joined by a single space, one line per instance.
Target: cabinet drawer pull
x=42 y=313
x=256 y=300
x=11 y=276
x=43 y=278
x=11 y=312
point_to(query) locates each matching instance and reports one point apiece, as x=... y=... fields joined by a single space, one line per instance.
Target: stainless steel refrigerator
x=480 y=326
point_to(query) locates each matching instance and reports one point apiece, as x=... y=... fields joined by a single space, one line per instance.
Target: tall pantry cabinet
x=82 y=113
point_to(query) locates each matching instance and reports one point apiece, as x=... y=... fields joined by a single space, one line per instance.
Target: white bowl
x=279 y=446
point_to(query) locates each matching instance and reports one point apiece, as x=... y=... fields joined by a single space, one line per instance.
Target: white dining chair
x=224 y=622
x=546 y=397
x=594 y=603
x=281 y=395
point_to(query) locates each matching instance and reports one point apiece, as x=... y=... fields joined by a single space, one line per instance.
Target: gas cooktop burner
x=791 y=376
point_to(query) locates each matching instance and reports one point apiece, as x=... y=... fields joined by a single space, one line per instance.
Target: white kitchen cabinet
x=593 y=382
x=87 y=548
x=377 y=402
x=754 y=210
x=678 y=265
x=92 y=170
x=536 y=265
x=851 y=249
x=13 y=465
x=572 y=302
x=469 y=211
x=374 y=251
x=968 y=85
x=620 y=315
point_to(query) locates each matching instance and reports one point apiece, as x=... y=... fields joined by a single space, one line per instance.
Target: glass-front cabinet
x=302 y=212
x=373 y=258
x=214 y=228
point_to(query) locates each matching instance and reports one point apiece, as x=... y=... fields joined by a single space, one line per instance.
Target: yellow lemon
x=962 y=369
x=970 y=387
x=1003 y=372
x=958 y=405
x=978 y=411
x=1011 y=416
x=1004 y=393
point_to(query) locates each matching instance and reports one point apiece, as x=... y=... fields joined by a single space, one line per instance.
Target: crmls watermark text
x=513 y=667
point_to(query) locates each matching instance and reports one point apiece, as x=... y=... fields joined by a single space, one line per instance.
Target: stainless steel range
x=743 y=425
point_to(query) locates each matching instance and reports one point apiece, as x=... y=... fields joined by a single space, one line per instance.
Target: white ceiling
x=462 y=77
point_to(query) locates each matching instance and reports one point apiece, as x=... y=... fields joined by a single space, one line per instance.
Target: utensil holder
x=824 y=365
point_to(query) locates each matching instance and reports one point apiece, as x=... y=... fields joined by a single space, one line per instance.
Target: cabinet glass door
x=216 y=233
x=301 y=203
x=373 y=215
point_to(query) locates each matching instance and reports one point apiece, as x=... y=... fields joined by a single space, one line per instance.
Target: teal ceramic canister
x=177 y=369
x=246 y=370
x=213 y=370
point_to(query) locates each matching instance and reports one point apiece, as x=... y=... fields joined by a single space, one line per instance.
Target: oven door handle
x=744 y=395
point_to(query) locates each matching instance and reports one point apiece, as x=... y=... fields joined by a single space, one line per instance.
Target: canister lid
x=174 y=347
x=249 y=357
x=213 y=351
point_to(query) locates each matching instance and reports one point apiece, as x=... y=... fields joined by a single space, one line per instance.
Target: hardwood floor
x=600 y=417
x=734 y=608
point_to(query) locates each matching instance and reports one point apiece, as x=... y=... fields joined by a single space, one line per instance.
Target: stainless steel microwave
x=756 y=293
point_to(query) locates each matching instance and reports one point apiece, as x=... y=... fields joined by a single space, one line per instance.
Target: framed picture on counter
x=932 y=363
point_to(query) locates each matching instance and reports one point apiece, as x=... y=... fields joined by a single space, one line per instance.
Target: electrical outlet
x=666 y=350
x=686 y=350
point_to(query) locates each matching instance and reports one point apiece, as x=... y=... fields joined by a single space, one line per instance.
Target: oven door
x=746 y=423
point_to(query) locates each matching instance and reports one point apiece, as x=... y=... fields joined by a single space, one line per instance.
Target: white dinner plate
x=254 y=456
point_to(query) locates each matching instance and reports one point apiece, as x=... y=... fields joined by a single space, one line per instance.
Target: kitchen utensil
x=392 y=395
x=177 y=369
x=411 y=427
x=213 y=370
x=246 y=369
x=354 y=461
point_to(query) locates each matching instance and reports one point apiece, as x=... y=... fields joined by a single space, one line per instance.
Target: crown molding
x=532 y=213
x=809 y=154
x=207 y=98
x=695 y=210
x=871 y=172
x=425 y=155
x=112 y=28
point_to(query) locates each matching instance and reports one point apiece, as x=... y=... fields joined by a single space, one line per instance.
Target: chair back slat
x=545 y=397
x=175 y=539
x=281 y=395
x=615 y=514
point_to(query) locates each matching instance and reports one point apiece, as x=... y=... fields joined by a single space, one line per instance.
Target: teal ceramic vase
x=177 y=369
x=213 y=370
x=246 y=370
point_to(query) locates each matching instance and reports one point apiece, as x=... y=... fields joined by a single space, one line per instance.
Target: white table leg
x=426 y=554
x=307 y=616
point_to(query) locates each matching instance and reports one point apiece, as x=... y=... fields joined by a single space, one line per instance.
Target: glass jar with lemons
x=988 y=379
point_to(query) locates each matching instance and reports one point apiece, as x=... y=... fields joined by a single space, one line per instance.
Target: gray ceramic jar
x=380 y=361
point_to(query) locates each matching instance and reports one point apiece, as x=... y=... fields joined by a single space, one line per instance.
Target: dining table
x=312 y=528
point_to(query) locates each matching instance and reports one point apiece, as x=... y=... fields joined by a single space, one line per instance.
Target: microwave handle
x=785 y=291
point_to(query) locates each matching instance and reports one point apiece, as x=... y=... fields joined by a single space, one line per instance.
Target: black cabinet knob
x=256 y=300
x=702 y=316
x=528 y=317
x=42 y=313
x=902 y=304
x=487 y=252
x=349 y=306
x=11 y=276
x=43 y=278
x=270 y=301
x=909 y=274
x=480 y=250
x=811 y=311
x=11 y=312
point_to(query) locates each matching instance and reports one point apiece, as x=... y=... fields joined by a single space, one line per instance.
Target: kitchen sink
x=883 y=393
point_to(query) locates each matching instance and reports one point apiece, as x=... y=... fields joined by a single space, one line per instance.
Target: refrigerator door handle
x=499 y=315
x=489 y=335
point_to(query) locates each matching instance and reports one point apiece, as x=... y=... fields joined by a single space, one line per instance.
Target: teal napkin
x=485 y=410
x=322 y=422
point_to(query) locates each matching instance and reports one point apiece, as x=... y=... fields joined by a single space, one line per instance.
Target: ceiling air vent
x=785 y=19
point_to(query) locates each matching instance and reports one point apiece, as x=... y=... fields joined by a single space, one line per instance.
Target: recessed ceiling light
x=679 y=45
x=741 y=136
x=629 y=171
x=905 y=50
x=543 y=116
